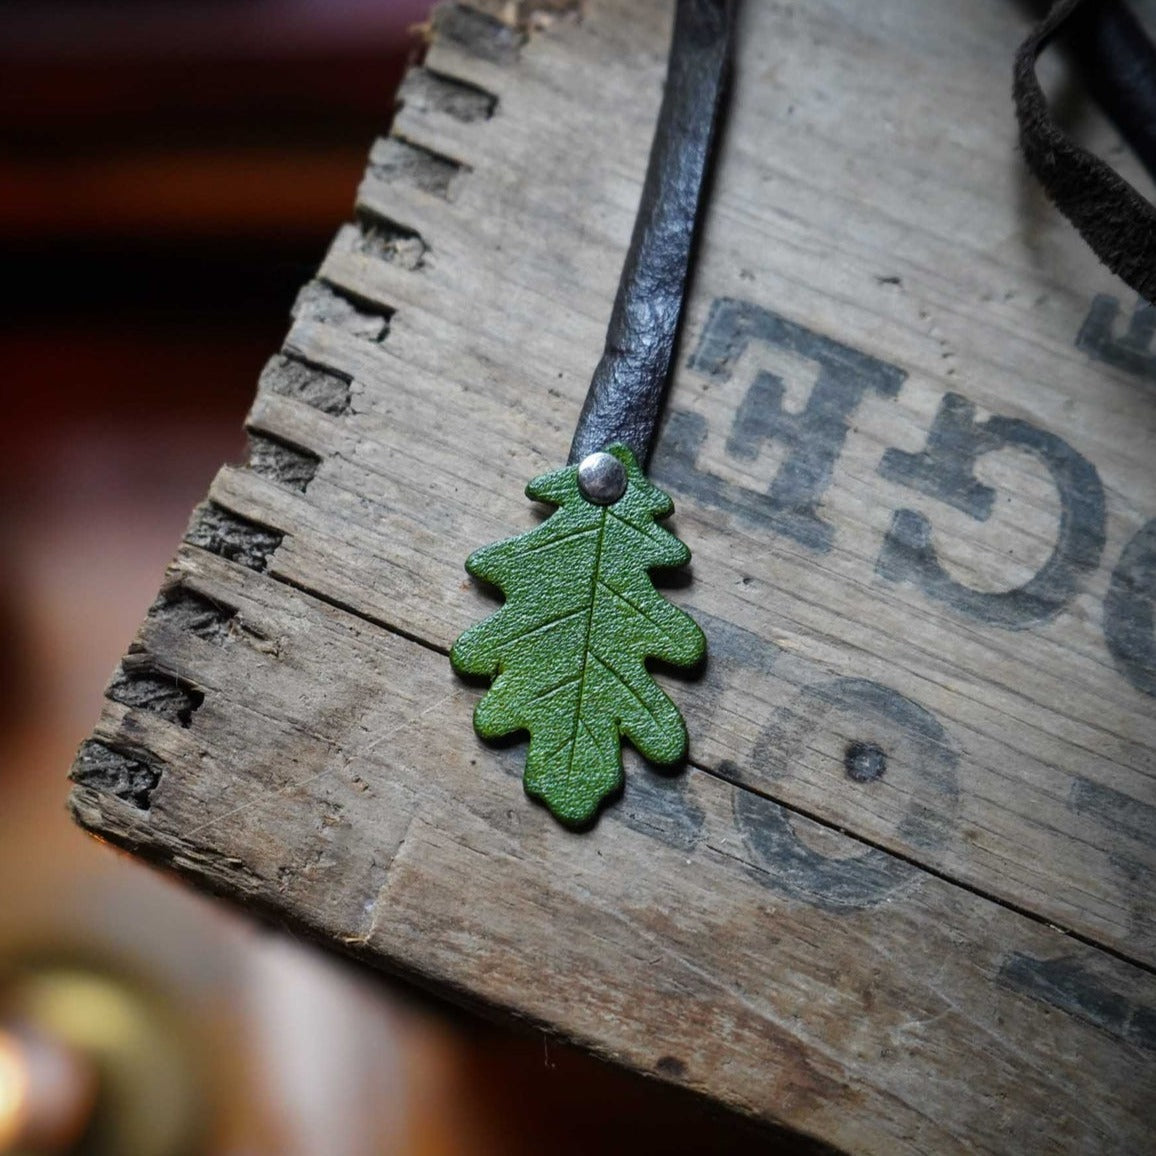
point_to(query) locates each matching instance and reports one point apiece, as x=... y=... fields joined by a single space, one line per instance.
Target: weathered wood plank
x=908 y=439
x=699 y=933
x=491 y=347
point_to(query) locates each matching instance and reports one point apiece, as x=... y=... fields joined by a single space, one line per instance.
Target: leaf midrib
x=586 y=647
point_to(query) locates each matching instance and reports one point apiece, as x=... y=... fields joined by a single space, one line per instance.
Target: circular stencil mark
x=775 y=837
x=874 y=739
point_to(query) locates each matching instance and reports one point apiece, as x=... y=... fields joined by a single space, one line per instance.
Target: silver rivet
x=601 y=478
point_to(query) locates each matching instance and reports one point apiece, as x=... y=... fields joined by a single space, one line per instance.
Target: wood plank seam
x=235 y=538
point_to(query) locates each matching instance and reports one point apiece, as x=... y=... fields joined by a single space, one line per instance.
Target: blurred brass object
x=47 y=1093
x=14 y=1093
x=92 y=1064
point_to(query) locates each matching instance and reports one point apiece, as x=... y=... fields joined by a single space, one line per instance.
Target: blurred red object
x=207 y=118
x=170 y=173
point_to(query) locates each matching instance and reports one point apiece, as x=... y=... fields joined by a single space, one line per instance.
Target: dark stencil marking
x=671 y=1066
x=324 y=389
x=388 y=241
x=511 y=755
x=814 y=437
x=139 y=684
x=783 y=861
x=401 y=162
x=660 y=805
x=1124 y=814
x=726 y=641
x=864 y=762
x=945 y=471
x=477 y=33
x=786 y=864
x=111 y=772
x=222 y=532
x=1129 y=621
x=893 y=722
x=432 y=92
x=674 y=466
x=1065 y=984
x=1132 y=350
x=189 y=612
x=320 y=301
x=881 y=710
x=281 y=463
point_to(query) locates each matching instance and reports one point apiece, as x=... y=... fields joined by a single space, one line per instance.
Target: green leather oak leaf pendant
x=568 y=649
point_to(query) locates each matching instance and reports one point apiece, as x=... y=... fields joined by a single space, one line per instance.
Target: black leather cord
x=1117 y=61
x=1114 y=219
x=626 y=392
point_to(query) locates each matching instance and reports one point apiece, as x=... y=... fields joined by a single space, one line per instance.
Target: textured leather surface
x=1114 y=219
x=626 y=392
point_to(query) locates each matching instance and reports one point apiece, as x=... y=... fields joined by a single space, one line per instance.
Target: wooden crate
x=900 y=899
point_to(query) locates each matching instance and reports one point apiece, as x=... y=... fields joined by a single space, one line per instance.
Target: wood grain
x=901 y=899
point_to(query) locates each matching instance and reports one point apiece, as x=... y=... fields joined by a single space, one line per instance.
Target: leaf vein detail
x=586 y=650
x=594 y=739
x=570 y=680
x=557 y=541
x=639 y=611
x=642 y=533
x=540 y=626
x=622 y=682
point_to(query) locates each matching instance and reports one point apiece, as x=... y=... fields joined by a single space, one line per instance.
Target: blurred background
x=170 y=173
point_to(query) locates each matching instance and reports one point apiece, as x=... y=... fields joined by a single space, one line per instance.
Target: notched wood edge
x=478 y=30
x=528 y=15
x=220 y=531
x=431 y=90
x=290 y=375
x=114 y=772
x=103 y=770
x=397 y=161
